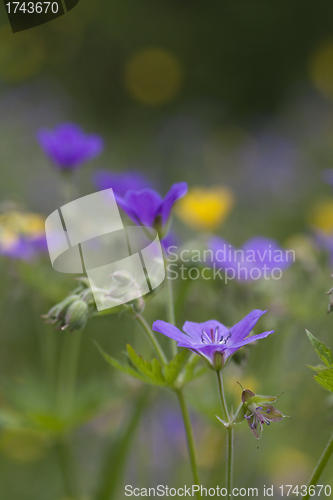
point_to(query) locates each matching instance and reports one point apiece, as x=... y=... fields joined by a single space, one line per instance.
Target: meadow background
x=236 y=94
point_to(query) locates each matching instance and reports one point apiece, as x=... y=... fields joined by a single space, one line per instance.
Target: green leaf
x=123 y=368
x=152 y=371
x=317 y=368
x=325 y=379
x=173 y=369
x=323 y=352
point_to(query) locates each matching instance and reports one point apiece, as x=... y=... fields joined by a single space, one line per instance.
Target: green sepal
x=325 y=379
x=239 y=415
x=324 y=353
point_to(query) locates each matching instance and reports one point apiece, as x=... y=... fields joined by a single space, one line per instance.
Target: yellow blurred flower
x=205 y=208
x=153 y=76
x=16 y=224
x=321 y=68
x=321 y=216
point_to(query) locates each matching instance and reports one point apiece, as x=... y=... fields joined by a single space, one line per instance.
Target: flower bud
x=123 y=278
x=58 y=312
x=76 y=316
x=138 y=305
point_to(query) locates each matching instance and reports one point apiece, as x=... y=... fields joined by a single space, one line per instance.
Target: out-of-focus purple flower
x=68 y=146
x=327 y=176
x=211 y=339
x=148 y=208
x=120 y=182
x=22 y=235
x=253 y=261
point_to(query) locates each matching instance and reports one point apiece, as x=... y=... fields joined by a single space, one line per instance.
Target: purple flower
x=212 y=340
x=68 y=146
x=257 y=257
x=120 y=182
x=148 y=208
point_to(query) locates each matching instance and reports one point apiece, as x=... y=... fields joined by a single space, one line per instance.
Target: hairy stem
x=230 y=445
x=222 y=397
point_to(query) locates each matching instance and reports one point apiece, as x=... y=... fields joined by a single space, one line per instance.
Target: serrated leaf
x=317 y=368
x=123 y=368
x=173 y=369
x=152 y=371
x=325 y=379
x=321 y=349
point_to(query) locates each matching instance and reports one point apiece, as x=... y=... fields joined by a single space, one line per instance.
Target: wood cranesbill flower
x=258 y=411
x=148 y=208
x=212 y=340
x=68 y=146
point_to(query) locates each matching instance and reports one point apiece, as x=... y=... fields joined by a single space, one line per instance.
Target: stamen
x=268 y=410
x=259 y=408
x=205 y=339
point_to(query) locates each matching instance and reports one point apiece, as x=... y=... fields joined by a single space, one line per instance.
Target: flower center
x=213 y=336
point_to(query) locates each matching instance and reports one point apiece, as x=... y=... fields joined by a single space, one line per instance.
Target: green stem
x=68 y=469
x=321 y=465
x=170 y=304
x=189 y=438
x=222 y=397
x=146 y=328
x=70 y=350
x=230 y=445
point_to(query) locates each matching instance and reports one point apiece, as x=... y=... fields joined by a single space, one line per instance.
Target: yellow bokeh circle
x=153 y=76
x=205 y=208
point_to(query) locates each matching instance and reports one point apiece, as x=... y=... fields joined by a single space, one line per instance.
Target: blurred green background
x=212 y=93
